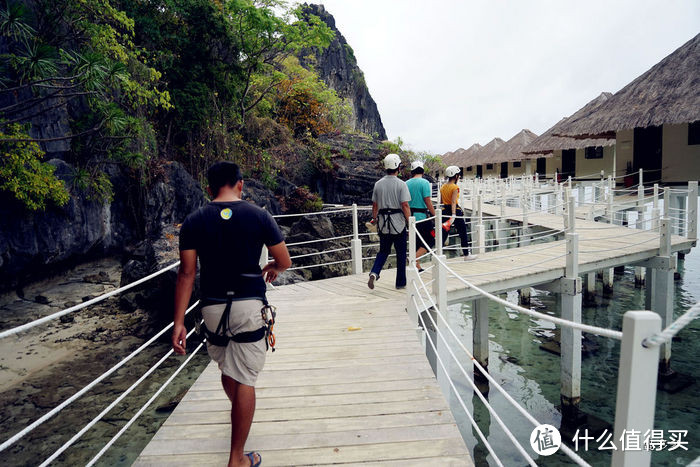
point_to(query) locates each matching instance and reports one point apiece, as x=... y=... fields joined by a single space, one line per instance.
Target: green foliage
x=24 y=175
x=95 y=185
x=302 y=200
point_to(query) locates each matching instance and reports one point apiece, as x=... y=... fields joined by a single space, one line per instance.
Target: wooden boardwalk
x=349 y=384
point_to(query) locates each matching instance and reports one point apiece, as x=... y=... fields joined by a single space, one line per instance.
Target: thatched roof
x=548 y=142
x=449 y=157
x=668 y=93
x=487 y=154
x=458 y=156
x=512 y=150
x=463 y=158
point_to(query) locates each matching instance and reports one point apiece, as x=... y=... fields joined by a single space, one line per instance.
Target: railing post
x=438 y=231
x=667 y=202
x=611 y=196
x=356 y=243
x=571 y=338
x=571 y=211
x=525 y=235
x=641 y=177
x=411 y=308
x=692 y=210
x=636 y=385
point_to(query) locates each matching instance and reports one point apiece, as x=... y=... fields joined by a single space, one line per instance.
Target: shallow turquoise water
x=531 y=375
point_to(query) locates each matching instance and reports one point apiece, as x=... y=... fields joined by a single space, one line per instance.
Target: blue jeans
x=399 y=242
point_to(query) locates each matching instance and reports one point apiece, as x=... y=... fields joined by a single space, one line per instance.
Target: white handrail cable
x=461 y=401
x=562 y=322
x=58 y=314
x=674 y=328
x=9 y=442
x=476 y=390
x=575 y=457
x=144 y=407
x=109 y=407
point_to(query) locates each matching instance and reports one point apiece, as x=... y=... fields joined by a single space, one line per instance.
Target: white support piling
x=663 y=291
x=692 y=209
x=639 y=272
x=570 y=343
x=355 y=243
x=440 y=283
x=480 y=332
x=636 y=385
x=608 y=281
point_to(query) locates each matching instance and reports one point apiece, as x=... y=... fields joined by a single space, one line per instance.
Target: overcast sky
x=447 y=74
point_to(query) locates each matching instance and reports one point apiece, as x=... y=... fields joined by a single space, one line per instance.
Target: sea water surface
x=532 y=376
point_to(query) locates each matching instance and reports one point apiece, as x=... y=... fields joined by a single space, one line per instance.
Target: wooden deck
x=349 y=384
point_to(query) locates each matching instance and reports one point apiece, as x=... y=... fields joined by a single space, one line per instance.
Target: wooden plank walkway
x=349 y=384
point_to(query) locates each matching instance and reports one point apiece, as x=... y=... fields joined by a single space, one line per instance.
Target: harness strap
x=421 y=210
x=220 y=338
x=386 y=217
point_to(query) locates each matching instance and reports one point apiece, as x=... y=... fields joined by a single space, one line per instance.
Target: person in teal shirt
x=421 y=206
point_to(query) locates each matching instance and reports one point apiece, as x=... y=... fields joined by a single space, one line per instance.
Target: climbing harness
x=222 y=336
x=384 y=219
x=420 y=210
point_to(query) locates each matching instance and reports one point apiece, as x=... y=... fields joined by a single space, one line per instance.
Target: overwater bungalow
x=571 y=156
x=653 y=123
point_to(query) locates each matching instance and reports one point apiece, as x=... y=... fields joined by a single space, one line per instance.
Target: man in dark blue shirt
x=228 y=235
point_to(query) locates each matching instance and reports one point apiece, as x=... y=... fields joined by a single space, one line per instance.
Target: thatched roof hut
x=668 y=93
x=548 y=142
x=466 y=155
x=487 y=154
x=512 y=150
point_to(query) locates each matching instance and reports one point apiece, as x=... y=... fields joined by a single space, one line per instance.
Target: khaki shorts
x=240 y=361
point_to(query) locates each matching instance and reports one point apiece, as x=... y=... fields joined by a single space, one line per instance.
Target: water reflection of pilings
x=482 y=415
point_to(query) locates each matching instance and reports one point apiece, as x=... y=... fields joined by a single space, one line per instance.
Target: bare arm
x=429 y=205
x=454 y=203
x=375 y=211
x=183 y=293
x=281 y=262
x=406 y=210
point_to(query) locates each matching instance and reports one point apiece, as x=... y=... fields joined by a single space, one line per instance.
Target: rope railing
x=575 y=457
x=318 y=213
x=145 y=406
x=58 y=314
x=674 y=328
x=535 y=314
x=17 y=436
x=109 y=407
x=315 y=253
x=476 y=391
x=306 y=242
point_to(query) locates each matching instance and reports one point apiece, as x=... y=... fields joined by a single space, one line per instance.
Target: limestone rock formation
x=338 y=68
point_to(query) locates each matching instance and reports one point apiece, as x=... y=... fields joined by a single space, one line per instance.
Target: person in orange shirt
x=449 y=194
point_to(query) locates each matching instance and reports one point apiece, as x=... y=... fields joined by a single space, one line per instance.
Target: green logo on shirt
x=226 y=214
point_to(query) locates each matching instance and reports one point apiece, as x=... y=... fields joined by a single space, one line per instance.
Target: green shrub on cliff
x=24 y=175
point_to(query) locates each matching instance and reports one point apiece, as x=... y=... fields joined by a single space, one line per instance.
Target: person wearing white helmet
x=449 y=194
x=390 y=211
x=421 y=206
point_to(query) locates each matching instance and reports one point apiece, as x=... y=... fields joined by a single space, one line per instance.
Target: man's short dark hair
x=392 y=171
x=418 y=170
x=223 y=174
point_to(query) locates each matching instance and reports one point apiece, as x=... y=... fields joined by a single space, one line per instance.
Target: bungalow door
x=541 y=166
x=504 y=170
x=647 y=153
x=479 y=171
x=568 y=163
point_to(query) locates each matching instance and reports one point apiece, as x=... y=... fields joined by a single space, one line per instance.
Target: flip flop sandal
x=251 y=456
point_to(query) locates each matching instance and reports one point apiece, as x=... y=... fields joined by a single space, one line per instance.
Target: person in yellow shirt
x=449 y=194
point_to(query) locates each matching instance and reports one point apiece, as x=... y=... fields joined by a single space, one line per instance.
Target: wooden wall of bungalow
x=668 y=154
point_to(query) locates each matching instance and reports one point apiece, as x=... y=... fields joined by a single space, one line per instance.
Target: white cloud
x=447 y=74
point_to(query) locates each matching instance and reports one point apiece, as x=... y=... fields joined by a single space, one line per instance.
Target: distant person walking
x=449 y=194
x=228 y=235
x=421 y=206
x=390 y=211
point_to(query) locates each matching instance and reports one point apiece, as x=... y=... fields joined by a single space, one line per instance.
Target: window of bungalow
x=517 y=163
x=694 y=133
x=469 y=169
x=489 y=166
x=594 y=152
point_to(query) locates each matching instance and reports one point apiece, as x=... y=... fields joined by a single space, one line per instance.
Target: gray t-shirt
x=389 y=192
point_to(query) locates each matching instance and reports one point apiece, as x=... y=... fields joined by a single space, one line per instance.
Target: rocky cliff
x=338 y=68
